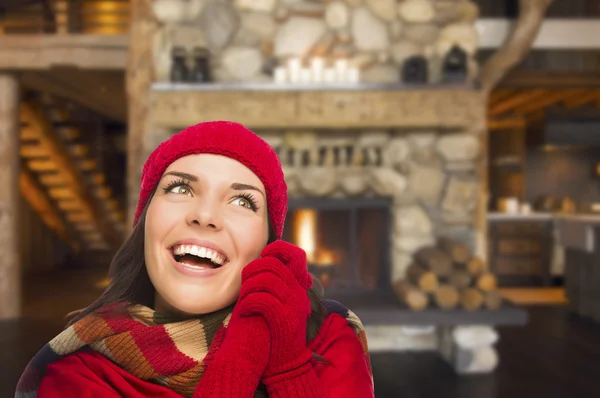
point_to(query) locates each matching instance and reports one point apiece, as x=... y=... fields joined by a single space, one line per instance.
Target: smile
x=198 y=256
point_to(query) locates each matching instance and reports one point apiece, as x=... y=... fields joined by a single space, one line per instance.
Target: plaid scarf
x=149 y=346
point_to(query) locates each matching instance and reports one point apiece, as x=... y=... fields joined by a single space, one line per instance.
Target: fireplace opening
x=347 y=242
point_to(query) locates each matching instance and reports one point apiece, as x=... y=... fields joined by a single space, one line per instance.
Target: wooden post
x=140 y=76
x=10 y=271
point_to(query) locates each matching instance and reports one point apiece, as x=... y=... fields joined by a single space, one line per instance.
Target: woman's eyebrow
x=243 y=187
x=186 y=176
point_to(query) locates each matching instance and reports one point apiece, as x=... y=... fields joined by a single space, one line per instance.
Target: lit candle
x=280 y=74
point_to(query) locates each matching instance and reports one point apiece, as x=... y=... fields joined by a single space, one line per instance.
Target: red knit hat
x=222 y=138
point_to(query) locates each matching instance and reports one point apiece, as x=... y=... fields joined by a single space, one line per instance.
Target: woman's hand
x=274 y=287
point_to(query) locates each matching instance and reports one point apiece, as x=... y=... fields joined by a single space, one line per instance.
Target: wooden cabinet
x=520 y=250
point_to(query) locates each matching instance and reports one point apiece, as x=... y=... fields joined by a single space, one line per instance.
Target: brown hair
x=131 y=284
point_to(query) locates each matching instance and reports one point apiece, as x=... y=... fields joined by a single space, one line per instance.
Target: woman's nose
x=205 y=213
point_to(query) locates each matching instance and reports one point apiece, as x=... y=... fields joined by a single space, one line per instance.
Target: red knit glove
x=274 y=287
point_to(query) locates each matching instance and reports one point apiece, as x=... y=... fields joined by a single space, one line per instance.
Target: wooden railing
x=103 y=17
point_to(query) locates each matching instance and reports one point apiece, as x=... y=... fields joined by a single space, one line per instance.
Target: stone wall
x=430 y=175
x=248 y=38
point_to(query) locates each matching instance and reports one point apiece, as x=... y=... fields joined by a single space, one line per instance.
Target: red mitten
x=274 y=287
x=237 y=358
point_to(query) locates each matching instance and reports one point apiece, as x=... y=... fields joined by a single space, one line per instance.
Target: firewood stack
x=448 y=276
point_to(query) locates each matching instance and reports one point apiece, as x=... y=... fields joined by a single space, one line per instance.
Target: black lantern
x=179 y=69
x=455 y=66
x=415 y=70
x=201 y=70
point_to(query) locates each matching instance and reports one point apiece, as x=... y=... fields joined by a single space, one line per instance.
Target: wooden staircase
x=63 y=178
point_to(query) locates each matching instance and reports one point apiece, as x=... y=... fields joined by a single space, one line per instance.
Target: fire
x=305 y=226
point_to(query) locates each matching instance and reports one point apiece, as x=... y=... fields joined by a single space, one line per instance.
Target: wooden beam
x=590 y=96
x=506 y=123
x=522 y=97
x=31 y=52
x=526 y=78
x=517 y=44
x=32 y=114
x=548 y=100
x=107 y=99
x=39 y=201
x=500 y=95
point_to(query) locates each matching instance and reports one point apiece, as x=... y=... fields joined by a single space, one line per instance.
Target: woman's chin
x=193 y=307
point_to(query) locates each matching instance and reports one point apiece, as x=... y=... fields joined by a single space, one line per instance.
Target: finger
x=273 y=267
x=293 y=257
x=264 y=305
x=265 y=283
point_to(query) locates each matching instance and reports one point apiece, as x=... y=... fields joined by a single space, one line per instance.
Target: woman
x=205 y=300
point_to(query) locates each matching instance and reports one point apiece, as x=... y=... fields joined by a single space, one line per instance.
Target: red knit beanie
x=221 y=138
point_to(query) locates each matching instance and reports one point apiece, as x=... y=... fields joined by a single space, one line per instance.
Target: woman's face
x=207 y=220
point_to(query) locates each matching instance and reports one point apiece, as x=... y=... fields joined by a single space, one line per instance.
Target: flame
x=305 y=222
x=305 y=225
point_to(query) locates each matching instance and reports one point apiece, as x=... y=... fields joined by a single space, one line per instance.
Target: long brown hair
x=131 y=284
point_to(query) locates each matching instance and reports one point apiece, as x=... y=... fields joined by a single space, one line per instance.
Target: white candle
x=280 y=74
x=353 y=75
x=317 y=66
x=341 y=68
x=329 y=75
x=294 y=66
x=305 y=75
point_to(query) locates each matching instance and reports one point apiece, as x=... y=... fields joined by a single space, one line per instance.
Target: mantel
x=339 y=106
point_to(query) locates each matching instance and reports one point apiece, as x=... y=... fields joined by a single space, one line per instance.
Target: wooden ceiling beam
x=514 y=101
x=527 y=79
x=39 y=201
x=506 y=123
x=590 y=96
x=32 y=114
x=500 y=95
x=552 y=98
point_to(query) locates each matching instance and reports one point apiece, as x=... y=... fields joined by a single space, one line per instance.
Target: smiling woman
x=205 y=299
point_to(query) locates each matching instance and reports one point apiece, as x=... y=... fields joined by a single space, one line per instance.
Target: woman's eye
x=243 y=202
x=180 y=190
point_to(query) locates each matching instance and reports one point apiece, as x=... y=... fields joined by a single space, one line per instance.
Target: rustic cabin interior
x=442 y=159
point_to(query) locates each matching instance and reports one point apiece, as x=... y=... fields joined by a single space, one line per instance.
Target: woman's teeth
x=200 y=252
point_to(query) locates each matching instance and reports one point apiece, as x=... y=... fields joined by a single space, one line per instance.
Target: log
x=475 y=266
x=426 y=280
x=459 y=252
x=446 y=296
x=434 y=260
x=460 y=279
x=487 y=282
x=471 y=299
x=492 y=300
x=414 y=298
